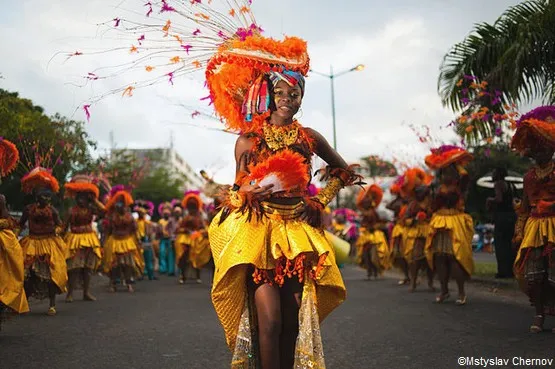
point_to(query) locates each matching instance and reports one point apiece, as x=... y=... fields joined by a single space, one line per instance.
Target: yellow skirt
x=538 y=232
x=461 y=227
x=237 y=244
x=12 y=273
x=114 y=246
x=376 y=238
x=398 y=233
x=76 y=241
x=200 y=253
x=51 y=248
x=182 y=242
x=413 y=233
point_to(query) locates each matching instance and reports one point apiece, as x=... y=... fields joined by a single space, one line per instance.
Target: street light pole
x=332 y=77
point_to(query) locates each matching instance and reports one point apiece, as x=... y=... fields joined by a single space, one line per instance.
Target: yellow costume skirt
x=12 y=273
x=375 y=242
x=84 y=250
x=199 y=253
x=123 y=251
x=419 y=231
x=263 y=244
x=460 y=227
x=45 y=258
x=535 y=260
x=182 y=244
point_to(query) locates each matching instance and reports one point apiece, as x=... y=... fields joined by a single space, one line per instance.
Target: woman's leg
x=291 y=295
x=71 y=281
x=52 y=290
x=128 y=271
x=87 y=285
x=460 y=276
x=268 y=311
x=442 y=267
x=414 y=266
x=164 y=249
x=429 y=274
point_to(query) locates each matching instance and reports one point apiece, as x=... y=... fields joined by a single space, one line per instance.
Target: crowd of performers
x=276 y=276
x=61 y=255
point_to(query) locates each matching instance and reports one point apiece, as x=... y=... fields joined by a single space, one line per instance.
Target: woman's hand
x=313 y=213
x=255 y=192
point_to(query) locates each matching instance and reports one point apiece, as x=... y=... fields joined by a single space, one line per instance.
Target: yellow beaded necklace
x=279 y=137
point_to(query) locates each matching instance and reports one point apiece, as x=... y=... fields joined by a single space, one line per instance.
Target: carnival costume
x=145 y=235
x=451 y=229
x=122 y=257
x=12 y=294
x=417 y=217
x=167 y=252
x=373 y=252
x=534 y=266
x=45 y=251
x=83 y=245
x=398 y=233
x=248 y=237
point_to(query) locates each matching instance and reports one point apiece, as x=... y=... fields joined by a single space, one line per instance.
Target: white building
x=176 y=164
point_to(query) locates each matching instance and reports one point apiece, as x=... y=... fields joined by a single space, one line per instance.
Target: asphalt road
x=166 y=325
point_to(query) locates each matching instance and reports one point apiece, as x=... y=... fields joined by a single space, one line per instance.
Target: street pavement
x=166 y=325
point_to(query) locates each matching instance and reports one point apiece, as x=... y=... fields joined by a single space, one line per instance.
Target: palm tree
x=515 y=55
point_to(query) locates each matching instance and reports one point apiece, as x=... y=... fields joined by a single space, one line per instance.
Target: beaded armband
x=235 y=198
x=337 y=179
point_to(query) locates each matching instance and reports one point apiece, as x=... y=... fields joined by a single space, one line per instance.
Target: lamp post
x=332 y=77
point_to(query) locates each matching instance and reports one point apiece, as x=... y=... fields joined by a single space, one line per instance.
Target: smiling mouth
x=285 y=108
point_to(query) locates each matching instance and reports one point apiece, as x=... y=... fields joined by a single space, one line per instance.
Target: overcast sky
x=401 y=42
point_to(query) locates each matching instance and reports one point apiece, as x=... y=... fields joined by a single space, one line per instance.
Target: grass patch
x=485 y=269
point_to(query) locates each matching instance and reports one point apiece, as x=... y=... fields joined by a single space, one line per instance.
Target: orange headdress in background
x=446 y=155
x=118 y=192
x=192 y=195
x=374 y=192
x=9 y=156
x=81 y=183
x=534 y=129
x=39 y=178
x=414 y=177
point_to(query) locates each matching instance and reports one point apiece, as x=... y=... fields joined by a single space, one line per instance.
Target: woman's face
x=449 y=175
x=44 y=197
x=120 y=207
x=82 y=199
x=541 y=154
x=287 y=100
x=192 y=206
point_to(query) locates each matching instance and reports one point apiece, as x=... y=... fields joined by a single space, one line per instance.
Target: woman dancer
x=145 y=236
x=535 y=230
x=121 y=253
x=44 y=250
x=417 y=219
x=85 y=252
x=398 y=207
x=192 y=247
x=373 y=251
x=12 y=295
x=167 y=252
x=449 y=244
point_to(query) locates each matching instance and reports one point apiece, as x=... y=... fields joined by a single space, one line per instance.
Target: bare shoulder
x=244 y=142
x=312 y=133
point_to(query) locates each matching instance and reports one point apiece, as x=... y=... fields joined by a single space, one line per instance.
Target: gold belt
x=283 y=211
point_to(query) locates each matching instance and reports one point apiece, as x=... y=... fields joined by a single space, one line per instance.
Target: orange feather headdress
x=81 y=184
x=118 y=192
x=286 y=170
x=535 y=128
x=447 y=155
x=192 y=195
x=414 y=177
x=37 y=178
x=9 y=156
x=374 y=192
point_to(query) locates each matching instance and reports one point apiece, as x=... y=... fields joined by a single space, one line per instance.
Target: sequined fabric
x=238 y=244
x=12 y=275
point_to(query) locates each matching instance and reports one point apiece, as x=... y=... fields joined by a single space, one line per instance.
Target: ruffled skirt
x=123 y=252
x=84 y=251
x=45 y=261
x=416 y=242
x=375 y=243
x=279 y=244
x=457 y=229
x=12 y=274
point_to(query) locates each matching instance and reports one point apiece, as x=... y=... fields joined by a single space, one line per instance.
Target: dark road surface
x=164 y=325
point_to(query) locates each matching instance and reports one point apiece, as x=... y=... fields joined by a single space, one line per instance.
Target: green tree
x=515 y=55
x=59 y=143
x=375 y=166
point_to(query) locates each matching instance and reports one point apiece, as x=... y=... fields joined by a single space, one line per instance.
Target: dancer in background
x=373 y=251
x=145 y=236
x=449 y=244
x=45 y=251
x=398 y=233
x=417 y=219
x=122 y=259
x=85 y=252
x=12 y=294
x=535 y=229
x=165 y=233
x=192 y=246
